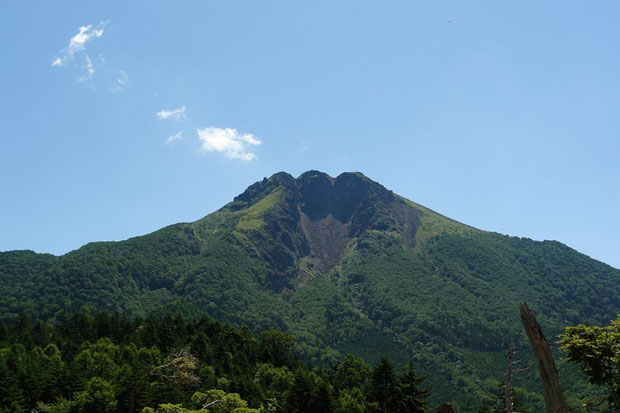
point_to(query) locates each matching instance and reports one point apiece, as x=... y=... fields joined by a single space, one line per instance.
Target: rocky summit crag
x=345 y=266
x=314 y=218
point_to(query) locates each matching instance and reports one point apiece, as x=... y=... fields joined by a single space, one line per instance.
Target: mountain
x=345 y=266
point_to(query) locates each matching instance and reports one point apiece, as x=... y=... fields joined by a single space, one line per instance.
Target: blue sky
x=119 y=118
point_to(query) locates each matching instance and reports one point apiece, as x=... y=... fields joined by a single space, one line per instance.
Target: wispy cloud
x=228 y=141
x=122 y=80
x=176 y=113
x=78 y=43
x=89 y=69
x=177 y=136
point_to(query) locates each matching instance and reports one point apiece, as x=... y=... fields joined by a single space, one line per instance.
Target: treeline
x=110 y=363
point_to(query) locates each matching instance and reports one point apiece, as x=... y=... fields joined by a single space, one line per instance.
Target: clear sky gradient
x=119 y=118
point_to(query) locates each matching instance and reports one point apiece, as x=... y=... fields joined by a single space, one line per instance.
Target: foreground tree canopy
x=109 y=363
x=597 y=351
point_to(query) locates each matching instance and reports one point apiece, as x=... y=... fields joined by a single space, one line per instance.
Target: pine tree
x=383 y=388
x=412 y=398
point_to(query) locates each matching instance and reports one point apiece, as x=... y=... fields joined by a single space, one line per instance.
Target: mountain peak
x=314 y=217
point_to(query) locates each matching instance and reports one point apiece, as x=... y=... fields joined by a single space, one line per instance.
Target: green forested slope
x=343 y=265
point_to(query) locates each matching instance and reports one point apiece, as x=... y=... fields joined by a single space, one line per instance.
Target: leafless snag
x=554 y=398
x=179 y=369
x=507 y=391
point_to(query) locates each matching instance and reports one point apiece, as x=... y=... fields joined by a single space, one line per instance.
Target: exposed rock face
x=325 y=214
x=317 y=193
x=327 y=239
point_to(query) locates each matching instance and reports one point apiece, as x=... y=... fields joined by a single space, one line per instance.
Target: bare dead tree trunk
x=554 y=398
x=507 y=391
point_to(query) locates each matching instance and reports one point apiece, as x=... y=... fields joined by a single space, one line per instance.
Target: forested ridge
x=344 y=266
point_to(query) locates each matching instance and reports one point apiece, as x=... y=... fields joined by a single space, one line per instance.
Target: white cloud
x=89 y=69
x=175 y=137
x=78 y=43
x=233 y=144
x=176 y=113
x=122 y=80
